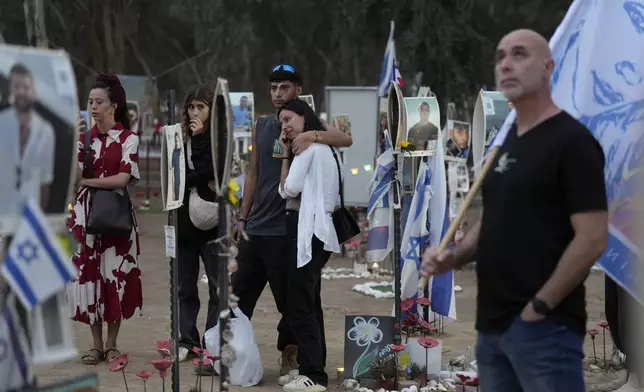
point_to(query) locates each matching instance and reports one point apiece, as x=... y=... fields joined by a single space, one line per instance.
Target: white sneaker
x=290 y=376
x=617 y=358
x=183 y=354
x=303 y=384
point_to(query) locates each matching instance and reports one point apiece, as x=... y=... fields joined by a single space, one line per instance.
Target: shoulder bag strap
x=337 y=163
x=87 y=150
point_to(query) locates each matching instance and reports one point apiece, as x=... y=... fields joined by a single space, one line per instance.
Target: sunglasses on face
x=284 y=67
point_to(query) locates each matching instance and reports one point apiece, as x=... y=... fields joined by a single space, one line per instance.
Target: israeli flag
x=602 y=85
x=441 y=288
x=380 y=212
x=416 y=234
x=388 y=73
x=15 y=354
x=36 y=266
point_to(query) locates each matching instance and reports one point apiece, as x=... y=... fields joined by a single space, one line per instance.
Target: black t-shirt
x=420 y=134
x=536 y=183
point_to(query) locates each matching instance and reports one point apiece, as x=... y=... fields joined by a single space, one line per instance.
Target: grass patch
x=384 y=289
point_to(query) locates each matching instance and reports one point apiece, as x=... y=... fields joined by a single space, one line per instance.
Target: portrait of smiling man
x=543 y=226
x=27 y=150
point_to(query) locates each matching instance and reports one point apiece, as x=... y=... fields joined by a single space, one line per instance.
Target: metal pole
x=223 y=286
x=396 y=253
x=174 y=271
x=147 y=174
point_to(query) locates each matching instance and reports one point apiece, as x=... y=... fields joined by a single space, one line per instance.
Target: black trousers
x=261 y=260
x=189 y=304
x=305 y=304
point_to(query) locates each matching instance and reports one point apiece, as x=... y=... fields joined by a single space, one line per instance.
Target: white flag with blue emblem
x=416 y=234
x=380 y=212
x=441 y=287
x=15 y=355
x=601 y=84
x=36 y=266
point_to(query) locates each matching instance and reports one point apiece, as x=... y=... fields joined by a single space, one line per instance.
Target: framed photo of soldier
x=38 y=117
x=423 y=120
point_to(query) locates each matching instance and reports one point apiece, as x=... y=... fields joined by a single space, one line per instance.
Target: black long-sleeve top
x=199 y=177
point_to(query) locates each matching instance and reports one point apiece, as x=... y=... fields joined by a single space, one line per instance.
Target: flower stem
x=594 y=351
x=604 y=341
x=125 y=380
x=359 y=360
x=145 y=388
x=163 y=383
x=426 y=360
x=212 y=379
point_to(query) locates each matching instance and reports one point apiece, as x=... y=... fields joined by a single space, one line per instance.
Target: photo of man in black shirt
x=423 y=130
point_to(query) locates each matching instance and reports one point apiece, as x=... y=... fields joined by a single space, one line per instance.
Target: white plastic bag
x=247 y=370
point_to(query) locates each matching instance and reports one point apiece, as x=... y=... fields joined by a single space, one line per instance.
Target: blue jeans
x=531 y=357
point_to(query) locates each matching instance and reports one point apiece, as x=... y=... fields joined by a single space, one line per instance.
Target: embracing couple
x=289 y=194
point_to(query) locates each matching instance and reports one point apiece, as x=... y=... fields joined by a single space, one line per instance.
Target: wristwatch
x=540 y=306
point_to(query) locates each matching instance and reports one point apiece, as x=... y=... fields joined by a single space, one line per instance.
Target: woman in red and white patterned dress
x=108 y=288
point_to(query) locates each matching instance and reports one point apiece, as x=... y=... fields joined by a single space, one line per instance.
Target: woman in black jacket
x=192 y=242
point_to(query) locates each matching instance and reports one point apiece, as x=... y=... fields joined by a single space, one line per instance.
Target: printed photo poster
x=459 y=139
x=423 y=120
x=243 y=110
x=38 y=117
x=308 y=99
x=173 y=167
x=133 y=110
x=382 y=124
x=490 y=112
x=343 y=123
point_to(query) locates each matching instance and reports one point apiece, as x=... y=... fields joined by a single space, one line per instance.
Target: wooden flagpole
x=456 y=222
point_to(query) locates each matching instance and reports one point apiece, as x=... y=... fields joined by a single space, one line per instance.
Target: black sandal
x=111 y=353
x=93 y=356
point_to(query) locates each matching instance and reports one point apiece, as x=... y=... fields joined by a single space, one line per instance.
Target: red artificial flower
x=593 y=332
x=397 y=348
x=144 y=374
x=426 y=325
x=428 y=343
x=423 y=301
x=199 y=351
x=407 y=304
x=413 y=319
x=603 y=324
x=162 y=365
x=118 y=363
x=462 y=377
x=204 y=362
x=472 y=381
x=164 y=348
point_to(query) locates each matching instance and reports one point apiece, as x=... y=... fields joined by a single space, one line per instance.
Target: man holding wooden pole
x=544 y=225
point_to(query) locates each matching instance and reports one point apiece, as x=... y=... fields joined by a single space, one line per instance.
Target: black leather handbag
x=109 y=211
x=345 y=226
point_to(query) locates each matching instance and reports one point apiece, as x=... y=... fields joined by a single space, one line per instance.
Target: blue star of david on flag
x=27 y=251
x=36 y=267
x=415 y=245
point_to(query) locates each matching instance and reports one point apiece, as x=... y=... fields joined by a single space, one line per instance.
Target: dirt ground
x=138 y=335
